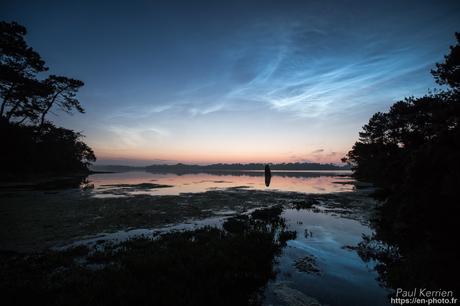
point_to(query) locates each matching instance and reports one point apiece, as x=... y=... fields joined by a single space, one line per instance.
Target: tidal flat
x=223 y=246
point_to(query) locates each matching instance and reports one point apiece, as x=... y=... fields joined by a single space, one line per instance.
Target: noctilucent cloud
x=206 y=82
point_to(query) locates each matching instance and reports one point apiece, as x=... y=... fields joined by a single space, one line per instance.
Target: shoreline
x=34 y=220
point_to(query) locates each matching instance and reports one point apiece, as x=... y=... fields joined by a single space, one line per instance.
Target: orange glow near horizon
x=210 y=157
x=222 y=138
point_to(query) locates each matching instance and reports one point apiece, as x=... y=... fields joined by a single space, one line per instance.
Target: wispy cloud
x=317 y=85
x=301 y=81
x=317 y=151
x=135 y=136
x=309 y=72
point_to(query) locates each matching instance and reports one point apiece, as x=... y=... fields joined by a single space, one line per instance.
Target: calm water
x=298 y=181
x=343 y=278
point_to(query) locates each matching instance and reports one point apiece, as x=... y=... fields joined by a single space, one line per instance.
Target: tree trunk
x=5 y=100
x=2 y=109
x=50 y=104
x=42 y=119
x=22 y=120
x=11 y=112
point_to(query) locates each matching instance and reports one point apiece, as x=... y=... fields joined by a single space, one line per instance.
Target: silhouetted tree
x=29 y=143
x=390 y=141
x=45 y=149
x=19 y=65
x=62 y=94
x=448 y=73
x=412 y=152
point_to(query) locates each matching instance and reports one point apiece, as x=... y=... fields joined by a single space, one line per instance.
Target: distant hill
x=238 y=167
x=115 y=168
x=183 y=168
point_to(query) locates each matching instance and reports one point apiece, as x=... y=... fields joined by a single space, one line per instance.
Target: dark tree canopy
x=15 y=53
x=24 y=96
x=448 y=73
x=29 y=142
x=390 y=141
x=46 y=149
x=19 y=66
x=412 y=152
x=62 y=94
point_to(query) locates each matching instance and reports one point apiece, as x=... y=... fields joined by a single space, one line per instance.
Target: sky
x=235 y=81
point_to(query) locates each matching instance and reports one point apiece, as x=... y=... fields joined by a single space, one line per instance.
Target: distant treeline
x=250 y=166
x=185 y=168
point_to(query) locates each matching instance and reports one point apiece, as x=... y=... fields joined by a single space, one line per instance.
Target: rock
x=293 y=297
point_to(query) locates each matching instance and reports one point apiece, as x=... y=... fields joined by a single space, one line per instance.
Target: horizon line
x=218 y=163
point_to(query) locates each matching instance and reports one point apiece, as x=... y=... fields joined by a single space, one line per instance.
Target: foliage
x=45 y=149
x=62 y=92
x=412 y=152
x=30 y=143
x=207 y=266
x=448 y=73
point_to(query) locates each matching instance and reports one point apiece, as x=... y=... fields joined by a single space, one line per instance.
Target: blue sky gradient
x=264 y=81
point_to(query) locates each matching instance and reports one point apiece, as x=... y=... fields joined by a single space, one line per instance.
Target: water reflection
x=298 y=181
x=268 y=175
x=420 y=256
x=322 y=237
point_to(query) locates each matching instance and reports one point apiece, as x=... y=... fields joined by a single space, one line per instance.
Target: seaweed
x=305 y=204
x=307 y=264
